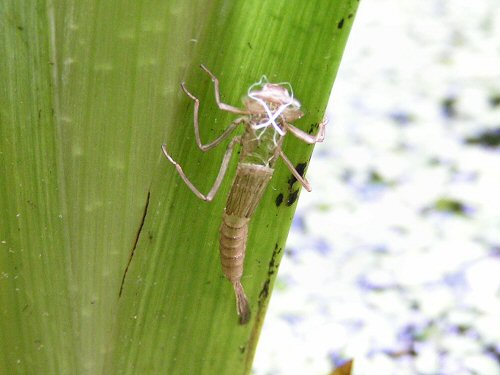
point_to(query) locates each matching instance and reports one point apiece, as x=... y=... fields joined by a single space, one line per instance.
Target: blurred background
x=394 y=258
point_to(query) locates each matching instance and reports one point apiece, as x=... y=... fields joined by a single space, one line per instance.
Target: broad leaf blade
x=89 y=206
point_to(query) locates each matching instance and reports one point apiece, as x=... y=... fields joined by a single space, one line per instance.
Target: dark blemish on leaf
x=249 y=45
x=264 y=292
x=340 y=24
x=350 y=15
x=313 y=128
x=488 y=138
x=301 y=167
x=242 y=349
x=448 y=107
x=20 y=28
x=293 y=194
x=25 y=308
x=279 y=199
x=292 y=198
x=132 y=252
x=272 y=267
x=272 y=263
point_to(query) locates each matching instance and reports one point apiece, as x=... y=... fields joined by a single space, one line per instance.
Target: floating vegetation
x=489 y=138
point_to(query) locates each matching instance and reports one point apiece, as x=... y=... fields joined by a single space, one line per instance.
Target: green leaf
x=108 y=263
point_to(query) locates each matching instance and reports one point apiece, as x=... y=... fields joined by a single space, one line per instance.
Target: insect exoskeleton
x=267 y=106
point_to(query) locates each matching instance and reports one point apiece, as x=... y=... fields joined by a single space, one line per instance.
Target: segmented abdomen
x=233 y=240
x=247 y=190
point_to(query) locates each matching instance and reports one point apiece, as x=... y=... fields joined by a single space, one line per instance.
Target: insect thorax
x=260 y=145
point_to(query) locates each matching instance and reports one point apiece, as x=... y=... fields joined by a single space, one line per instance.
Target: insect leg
x=303 y=136
x=296 y=174
x=223 y=106
x=220 y=176
x=219 y=139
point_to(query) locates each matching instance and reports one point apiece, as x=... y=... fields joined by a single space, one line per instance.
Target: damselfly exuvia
x=269 y=110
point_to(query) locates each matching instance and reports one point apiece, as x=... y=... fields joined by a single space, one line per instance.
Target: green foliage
x=450 y=205
x=108 y=263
